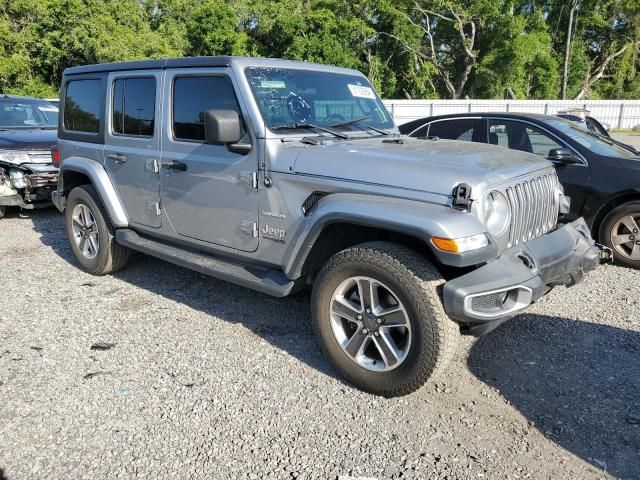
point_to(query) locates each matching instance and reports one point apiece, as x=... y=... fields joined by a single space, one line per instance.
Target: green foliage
x=408 y=48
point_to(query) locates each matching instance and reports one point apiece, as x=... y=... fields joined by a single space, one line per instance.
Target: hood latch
x=462 y=197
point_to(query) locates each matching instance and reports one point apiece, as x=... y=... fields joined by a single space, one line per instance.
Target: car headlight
x=496 y=213
x=15 y=157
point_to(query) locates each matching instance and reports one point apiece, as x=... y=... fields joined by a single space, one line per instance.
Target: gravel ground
x=191 y=377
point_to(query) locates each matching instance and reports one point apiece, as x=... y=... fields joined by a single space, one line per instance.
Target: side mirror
x=222 y=127
x=562 y=156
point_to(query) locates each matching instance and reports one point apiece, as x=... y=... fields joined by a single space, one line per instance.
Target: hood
x=28 y=139
x=435 y=166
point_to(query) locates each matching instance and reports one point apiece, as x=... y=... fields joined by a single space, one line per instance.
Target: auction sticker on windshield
x=272 y=84
x=361 y=91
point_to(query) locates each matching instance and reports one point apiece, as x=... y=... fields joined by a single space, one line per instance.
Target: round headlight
x=497 y=216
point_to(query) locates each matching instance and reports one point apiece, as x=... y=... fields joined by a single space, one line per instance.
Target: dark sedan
x=28 y=130
x=601 y=177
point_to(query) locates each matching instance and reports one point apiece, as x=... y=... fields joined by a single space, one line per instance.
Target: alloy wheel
x=370 y=323
x=85 y=231
x=625 y=236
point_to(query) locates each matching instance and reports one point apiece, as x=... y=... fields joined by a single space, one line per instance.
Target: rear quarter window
x=82 y=106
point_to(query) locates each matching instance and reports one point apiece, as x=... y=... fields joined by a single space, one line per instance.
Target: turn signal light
x=459 y=245
x=445 y=244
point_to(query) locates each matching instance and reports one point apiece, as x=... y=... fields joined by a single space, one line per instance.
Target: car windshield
x=590 y=140
x=22 y=113
x=289 y=98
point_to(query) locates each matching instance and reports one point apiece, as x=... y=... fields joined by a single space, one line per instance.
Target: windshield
x=289 y=97
x=590 y=140
x=22 y=113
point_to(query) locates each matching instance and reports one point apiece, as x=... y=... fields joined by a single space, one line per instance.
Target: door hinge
x=249 y=228
x=154 y=207
x=250 y=178
x=151 y=165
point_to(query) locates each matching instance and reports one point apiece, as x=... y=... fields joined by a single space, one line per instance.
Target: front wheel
x=620 y=231
x=91 y=234
x=379 y=318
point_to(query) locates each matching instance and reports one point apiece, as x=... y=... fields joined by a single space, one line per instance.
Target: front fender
x=418 y=219
x=101 y=182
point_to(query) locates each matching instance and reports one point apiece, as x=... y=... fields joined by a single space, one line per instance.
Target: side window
x=192 y=97
x=463 y=129
x=421 y=132
x=521 y=136
x=134 y=106
x=82 y=106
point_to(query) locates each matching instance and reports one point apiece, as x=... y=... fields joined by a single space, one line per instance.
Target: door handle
x=117 y=158
x=175 y=165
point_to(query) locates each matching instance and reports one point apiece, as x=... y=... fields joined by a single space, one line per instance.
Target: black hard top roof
x=220 y=61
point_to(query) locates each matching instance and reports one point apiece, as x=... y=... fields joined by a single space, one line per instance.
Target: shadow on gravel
x=578 y=382
x=49 y=223
x=283 y=322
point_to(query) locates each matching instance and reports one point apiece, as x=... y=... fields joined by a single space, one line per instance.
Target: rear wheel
x=620 y=231
x=379 y=318
x=91 y=234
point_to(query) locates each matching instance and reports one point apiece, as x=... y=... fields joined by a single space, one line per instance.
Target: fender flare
x=418 y=219
x=102 y=183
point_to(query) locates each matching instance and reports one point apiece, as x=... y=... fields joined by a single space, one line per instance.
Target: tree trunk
x=598 y=73
x=567 y=51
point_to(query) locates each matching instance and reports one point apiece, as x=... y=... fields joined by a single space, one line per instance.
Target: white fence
x=617 y=113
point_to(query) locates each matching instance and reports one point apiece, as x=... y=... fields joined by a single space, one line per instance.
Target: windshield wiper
x=310 y=126
x=357 y=122
x=607 y=140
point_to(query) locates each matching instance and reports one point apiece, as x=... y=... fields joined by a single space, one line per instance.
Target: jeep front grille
x=534 y=205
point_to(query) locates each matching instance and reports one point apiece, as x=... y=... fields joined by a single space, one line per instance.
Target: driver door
x=208 y=192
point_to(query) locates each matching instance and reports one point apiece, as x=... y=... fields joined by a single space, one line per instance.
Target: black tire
x=111 y=256
x=417 y=284
x=607 y=230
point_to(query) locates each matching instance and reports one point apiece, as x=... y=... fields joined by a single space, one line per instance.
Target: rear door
x=132 y=143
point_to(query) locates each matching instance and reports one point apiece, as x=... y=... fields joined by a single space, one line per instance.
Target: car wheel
x=620 y=231
x=91 y=234
x=378 y=315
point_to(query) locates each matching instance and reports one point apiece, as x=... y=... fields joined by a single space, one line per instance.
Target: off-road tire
x=609 y=223
x=111 y=256
x=418 y=284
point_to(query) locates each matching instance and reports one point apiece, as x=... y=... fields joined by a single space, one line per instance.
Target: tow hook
x=606 y=254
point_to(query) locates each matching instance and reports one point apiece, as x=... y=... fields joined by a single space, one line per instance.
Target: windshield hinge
x=462 y=197
x=250 y=178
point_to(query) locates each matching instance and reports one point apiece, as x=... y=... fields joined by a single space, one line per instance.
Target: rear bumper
x=497 y=291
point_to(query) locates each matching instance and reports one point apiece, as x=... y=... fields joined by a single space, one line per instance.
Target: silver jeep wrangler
x=279 y=175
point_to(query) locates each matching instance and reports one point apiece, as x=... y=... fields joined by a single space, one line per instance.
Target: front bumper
x=497 y=291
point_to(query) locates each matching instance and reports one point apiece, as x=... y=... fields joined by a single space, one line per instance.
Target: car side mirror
x=562 y=156
x=224 y=127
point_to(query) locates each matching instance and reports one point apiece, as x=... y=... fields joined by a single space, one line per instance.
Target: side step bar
x=271 y=282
